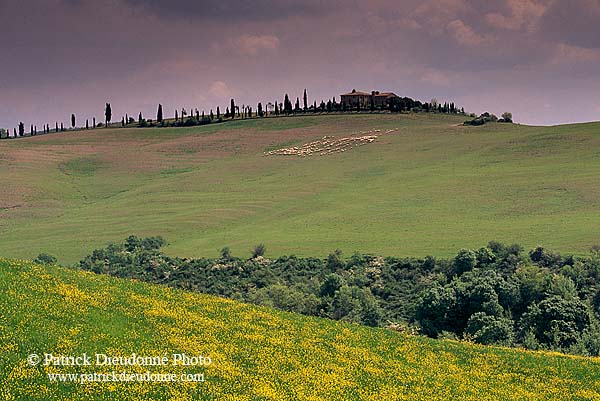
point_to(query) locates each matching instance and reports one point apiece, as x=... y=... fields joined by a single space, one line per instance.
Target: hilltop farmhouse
x=364 y=100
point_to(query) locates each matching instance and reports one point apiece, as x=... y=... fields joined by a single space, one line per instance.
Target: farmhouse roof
x=386 y=94
x=356 y=93
x=376 y=94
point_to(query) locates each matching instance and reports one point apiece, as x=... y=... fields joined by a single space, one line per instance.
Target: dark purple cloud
x=234 y=10
x=576 y=22
x=70 y=56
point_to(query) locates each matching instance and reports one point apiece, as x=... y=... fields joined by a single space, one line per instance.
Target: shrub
x=507 y=117
x=259 y=250
x=225 y=253
x=556 y=322
x=45 y=259
x=465 y=261
x=485 y=329
x=332 y=283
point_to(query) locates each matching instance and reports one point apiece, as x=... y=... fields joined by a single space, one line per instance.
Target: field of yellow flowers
x=255 y=353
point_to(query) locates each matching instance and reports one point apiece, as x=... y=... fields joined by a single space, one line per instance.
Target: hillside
x=257 y=353
x=429 y=187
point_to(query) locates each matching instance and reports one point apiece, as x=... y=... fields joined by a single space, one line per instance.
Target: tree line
x=193 y=116
x=497 y=294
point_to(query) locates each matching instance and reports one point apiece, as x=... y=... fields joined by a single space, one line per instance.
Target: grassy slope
x=431 y=188
x=258 y=353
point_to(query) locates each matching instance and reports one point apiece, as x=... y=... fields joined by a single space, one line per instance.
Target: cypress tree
x=232 y=109
x=31 y=130
x=94 y=122
x=297 y=108
x=212 y=116
x=176 y=115
x=122 y=121
x=14 y=132
x=56 y=126
x=87 y=124
x=108 y=114
x=159 y=113
x=276 y=109
x=140 y=118
x=72 y=120
x=305 y=101
x=62 y=127
x=259 y=109
x=219 y=112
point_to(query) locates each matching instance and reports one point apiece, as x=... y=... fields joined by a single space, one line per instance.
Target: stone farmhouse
x=363 y=100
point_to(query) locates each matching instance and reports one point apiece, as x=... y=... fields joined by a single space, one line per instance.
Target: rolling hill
x=256 y=353
x=429 y=187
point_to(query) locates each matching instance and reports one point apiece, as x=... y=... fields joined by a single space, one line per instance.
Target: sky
x=539 y=59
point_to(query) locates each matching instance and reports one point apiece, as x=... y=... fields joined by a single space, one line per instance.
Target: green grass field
x=430 y=188
x=257 y=353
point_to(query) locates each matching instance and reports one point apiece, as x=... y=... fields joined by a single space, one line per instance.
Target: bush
x=507 y=117
x=45 y=259
x=259 y=250
x=332 y=283
x=225 y=253
x=485 y=329
x=464 y=261
x=556 y=322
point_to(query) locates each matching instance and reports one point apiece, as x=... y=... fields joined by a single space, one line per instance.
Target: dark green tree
x=287 y=105
x=485 y=329
x=464 y=261
x=305 y=101
x=108 y=114
x=259 y=250
x=556 y=322
x=331 y=284
x=159 y=114
x=232 y=109
x=72 y=120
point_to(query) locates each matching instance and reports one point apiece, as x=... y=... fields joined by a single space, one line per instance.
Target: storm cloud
x=536 y=58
